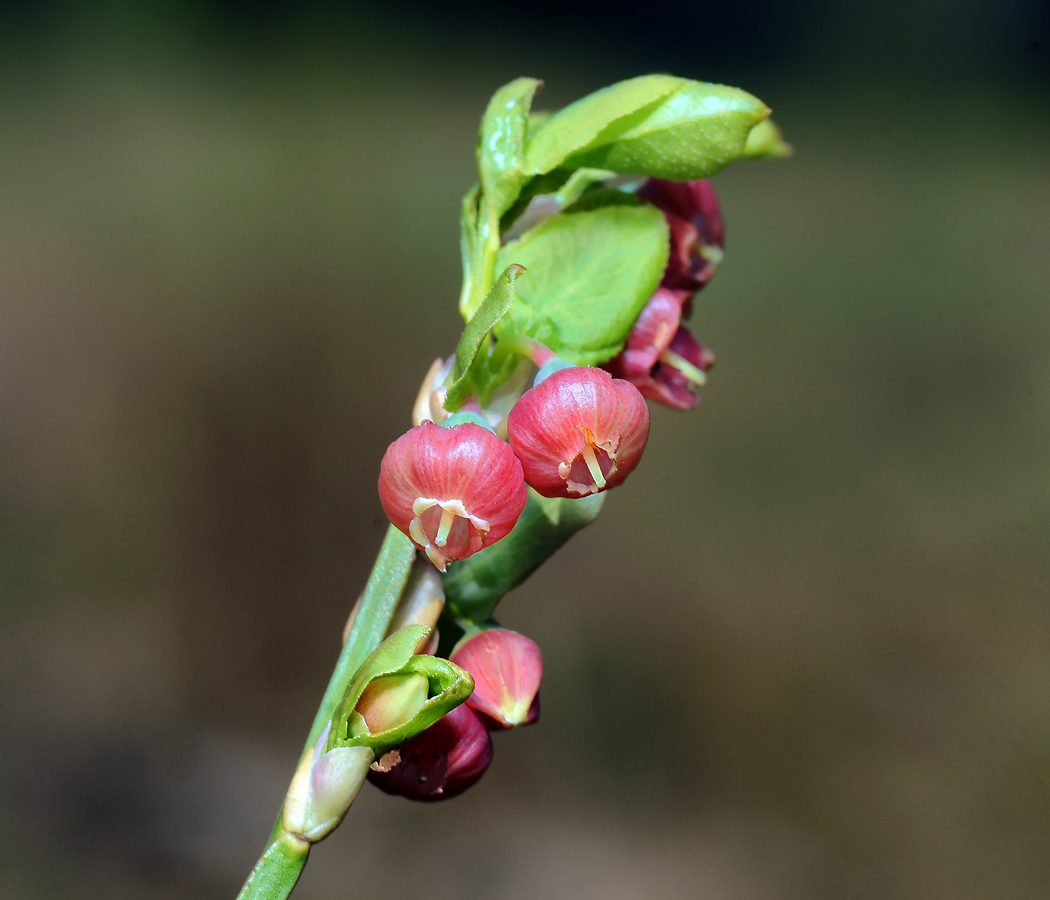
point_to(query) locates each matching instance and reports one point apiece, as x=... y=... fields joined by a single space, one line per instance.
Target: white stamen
x=690 y=371
x=592 y=464
x=448 y=516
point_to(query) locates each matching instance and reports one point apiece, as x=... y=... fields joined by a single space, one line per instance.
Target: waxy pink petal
x=578 y=432
x=696 y=228
x=451 y=490
x=507 y=669
x=661 y=358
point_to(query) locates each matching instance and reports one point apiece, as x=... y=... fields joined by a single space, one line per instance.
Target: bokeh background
x=803 y=654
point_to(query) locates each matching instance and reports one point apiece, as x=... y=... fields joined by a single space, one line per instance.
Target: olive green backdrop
x=228 y=256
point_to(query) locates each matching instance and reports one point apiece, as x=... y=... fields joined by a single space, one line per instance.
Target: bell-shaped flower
x=661 y=358
x=439 y=763
x=697 y=231
x=451 y=489
x=507 y=669
x=579 y=431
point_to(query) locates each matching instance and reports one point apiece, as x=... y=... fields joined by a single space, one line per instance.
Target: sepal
x=447 y=687
x=323 y=787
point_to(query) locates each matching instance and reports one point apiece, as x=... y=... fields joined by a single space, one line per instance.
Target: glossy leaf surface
x=594 y=120
x=501 y=151
x=693 y=133
x=589 y=275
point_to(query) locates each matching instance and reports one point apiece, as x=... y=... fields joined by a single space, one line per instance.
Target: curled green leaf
x=766 y=141
x=692 y=133
x=593 y=120
x=448 y=686
x=492 y=309
x=501 y=153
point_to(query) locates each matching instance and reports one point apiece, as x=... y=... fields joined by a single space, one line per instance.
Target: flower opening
x=578 y=432
x=451 y=490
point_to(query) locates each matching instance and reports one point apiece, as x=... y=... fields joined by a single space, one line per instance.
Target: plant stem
x=278 y=869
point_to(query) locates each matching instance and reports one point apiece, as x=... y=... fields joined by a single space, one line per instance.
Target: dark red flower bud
x=661 y=358
x=579 y=431
x=441 y=762
x=697 y=231
x=451 y=490
x=507 y=669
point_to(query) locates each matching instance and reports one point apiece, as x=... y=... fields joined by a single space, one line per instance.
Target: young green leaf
x=468 y=233
x=590 y=273
x=595 y=119
x=474 y=586
x=692 y=133
x=493 y=308
x=501 y=155
x=766 y=141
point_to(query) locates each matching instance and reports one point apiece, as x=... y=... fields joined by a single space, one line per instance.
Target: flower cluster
x=457 y=487
x=661 y=357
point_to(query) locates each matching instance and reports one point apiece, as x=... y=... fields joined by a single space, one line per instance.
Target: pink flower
x=661 y=358
x=507 y=669
x=579 y=431
x=441 y=762
x=451 y=490
x=697 y=231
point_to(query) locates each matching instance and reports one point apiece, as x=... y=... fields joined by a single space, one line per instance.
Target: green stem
x=277 y=870
x=382 y=592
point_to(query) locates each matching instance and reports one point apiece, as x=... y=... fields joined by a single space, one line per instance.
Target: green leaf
x=468 y=227
x=766 y=141
x=550 y=183
x=501 y=155
x=495 y=305
x=590 y=273
x=475 y=585
x=692 y=133
x=449 y=684
x=594 y=120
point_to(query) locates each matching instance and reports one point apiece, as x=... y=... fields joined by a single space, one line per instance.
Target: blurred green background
x=228 y=255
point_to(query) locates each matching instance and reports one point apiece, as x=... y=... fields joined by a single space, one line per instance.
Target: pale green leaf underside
x=596 y=117
x=501 y=157
x=589 y=276
x=693 y=133
x=766 y=141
